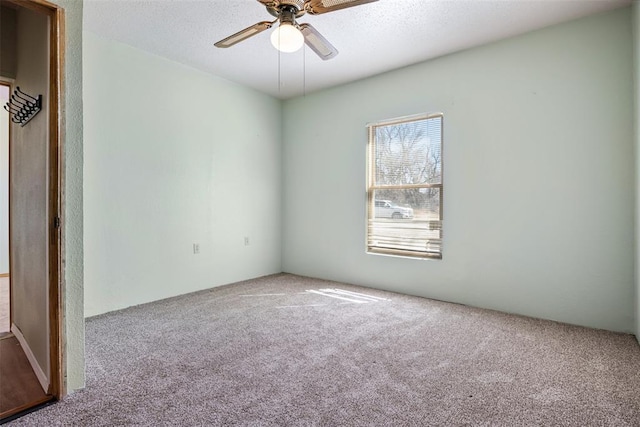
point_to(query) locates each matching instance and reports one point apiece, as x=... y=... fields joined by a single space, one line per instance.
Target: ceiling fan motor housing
x=298 y=4
x=277 y=7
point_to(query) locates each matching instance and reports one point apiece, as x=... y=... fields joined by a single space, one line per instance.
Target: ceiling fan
x=289 y=36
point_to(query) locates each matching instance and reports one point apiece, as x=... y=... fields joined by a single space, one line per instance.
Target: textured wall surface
x=174 y=157
x=538 y=176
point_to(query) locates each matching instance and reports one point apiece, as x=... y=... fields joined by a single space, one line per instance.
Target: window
x=404 y=187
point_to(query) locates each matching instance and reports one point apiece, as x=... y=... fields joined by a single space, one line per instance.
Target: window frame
x=371 y=186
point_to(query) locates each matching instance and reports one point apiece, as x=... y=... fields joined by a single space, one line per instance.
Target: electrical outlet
x=246 y=241
x=196 y=248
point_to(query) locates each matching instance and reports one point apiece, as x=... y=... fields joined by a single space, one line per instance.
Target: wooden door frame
x=57 y=386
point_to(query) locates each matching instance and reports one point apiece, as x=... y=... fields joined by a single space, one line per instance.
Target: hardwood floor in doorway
x=5 y=322
x=19 y=386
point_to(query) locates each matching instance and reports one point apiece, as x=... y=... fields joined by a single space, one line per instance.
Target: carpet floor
x=286 y=350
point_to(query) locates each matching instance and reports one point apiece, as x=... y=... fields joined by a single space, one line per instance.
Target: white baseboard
x=42 y=377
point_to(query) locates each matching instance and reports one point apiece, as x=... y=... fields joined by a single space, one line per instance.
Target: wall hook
x=23 y=107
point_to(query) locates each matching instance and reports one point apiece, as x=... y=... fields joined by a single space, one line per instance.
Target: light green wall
x=173 y=157
x=538 y=173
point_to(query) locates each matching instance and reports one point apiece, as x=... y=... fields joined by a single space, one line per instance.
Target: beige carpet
x=291 y=351
x=5 y=325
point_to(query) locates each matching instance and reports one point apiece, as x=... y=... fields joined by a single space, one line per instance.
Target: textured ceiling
x=372 y=38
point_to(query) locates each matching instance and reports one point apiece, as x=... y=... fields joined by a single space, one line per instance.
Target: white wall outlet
x=196 y=248
x=246 y=241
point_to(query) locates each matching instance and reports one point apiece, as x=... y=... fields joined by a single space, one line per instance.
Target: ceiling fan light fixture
x=287 y=38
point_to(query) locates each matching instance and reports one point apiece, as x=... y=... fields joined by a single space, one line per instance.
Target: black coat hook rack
x=23 y=107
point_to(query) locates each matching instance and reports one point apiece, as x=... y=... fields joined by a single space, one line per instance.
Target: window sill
x=405 y=254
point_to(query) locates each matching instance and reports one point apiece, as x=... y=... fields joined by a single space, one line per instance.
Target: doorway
x=20 y=388
x=32 y=36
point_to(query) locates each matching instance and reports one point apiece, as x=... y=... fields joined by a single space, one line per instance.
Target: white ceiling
x=372 y=38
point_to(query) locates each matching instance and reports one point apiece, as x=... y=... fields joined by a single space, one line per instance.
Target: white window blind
x=404 y=187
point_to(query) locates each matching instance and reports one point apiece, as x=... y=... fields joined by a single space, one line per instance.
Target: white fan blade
x=317 y=42
x=317 y=7
x=244 y=34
